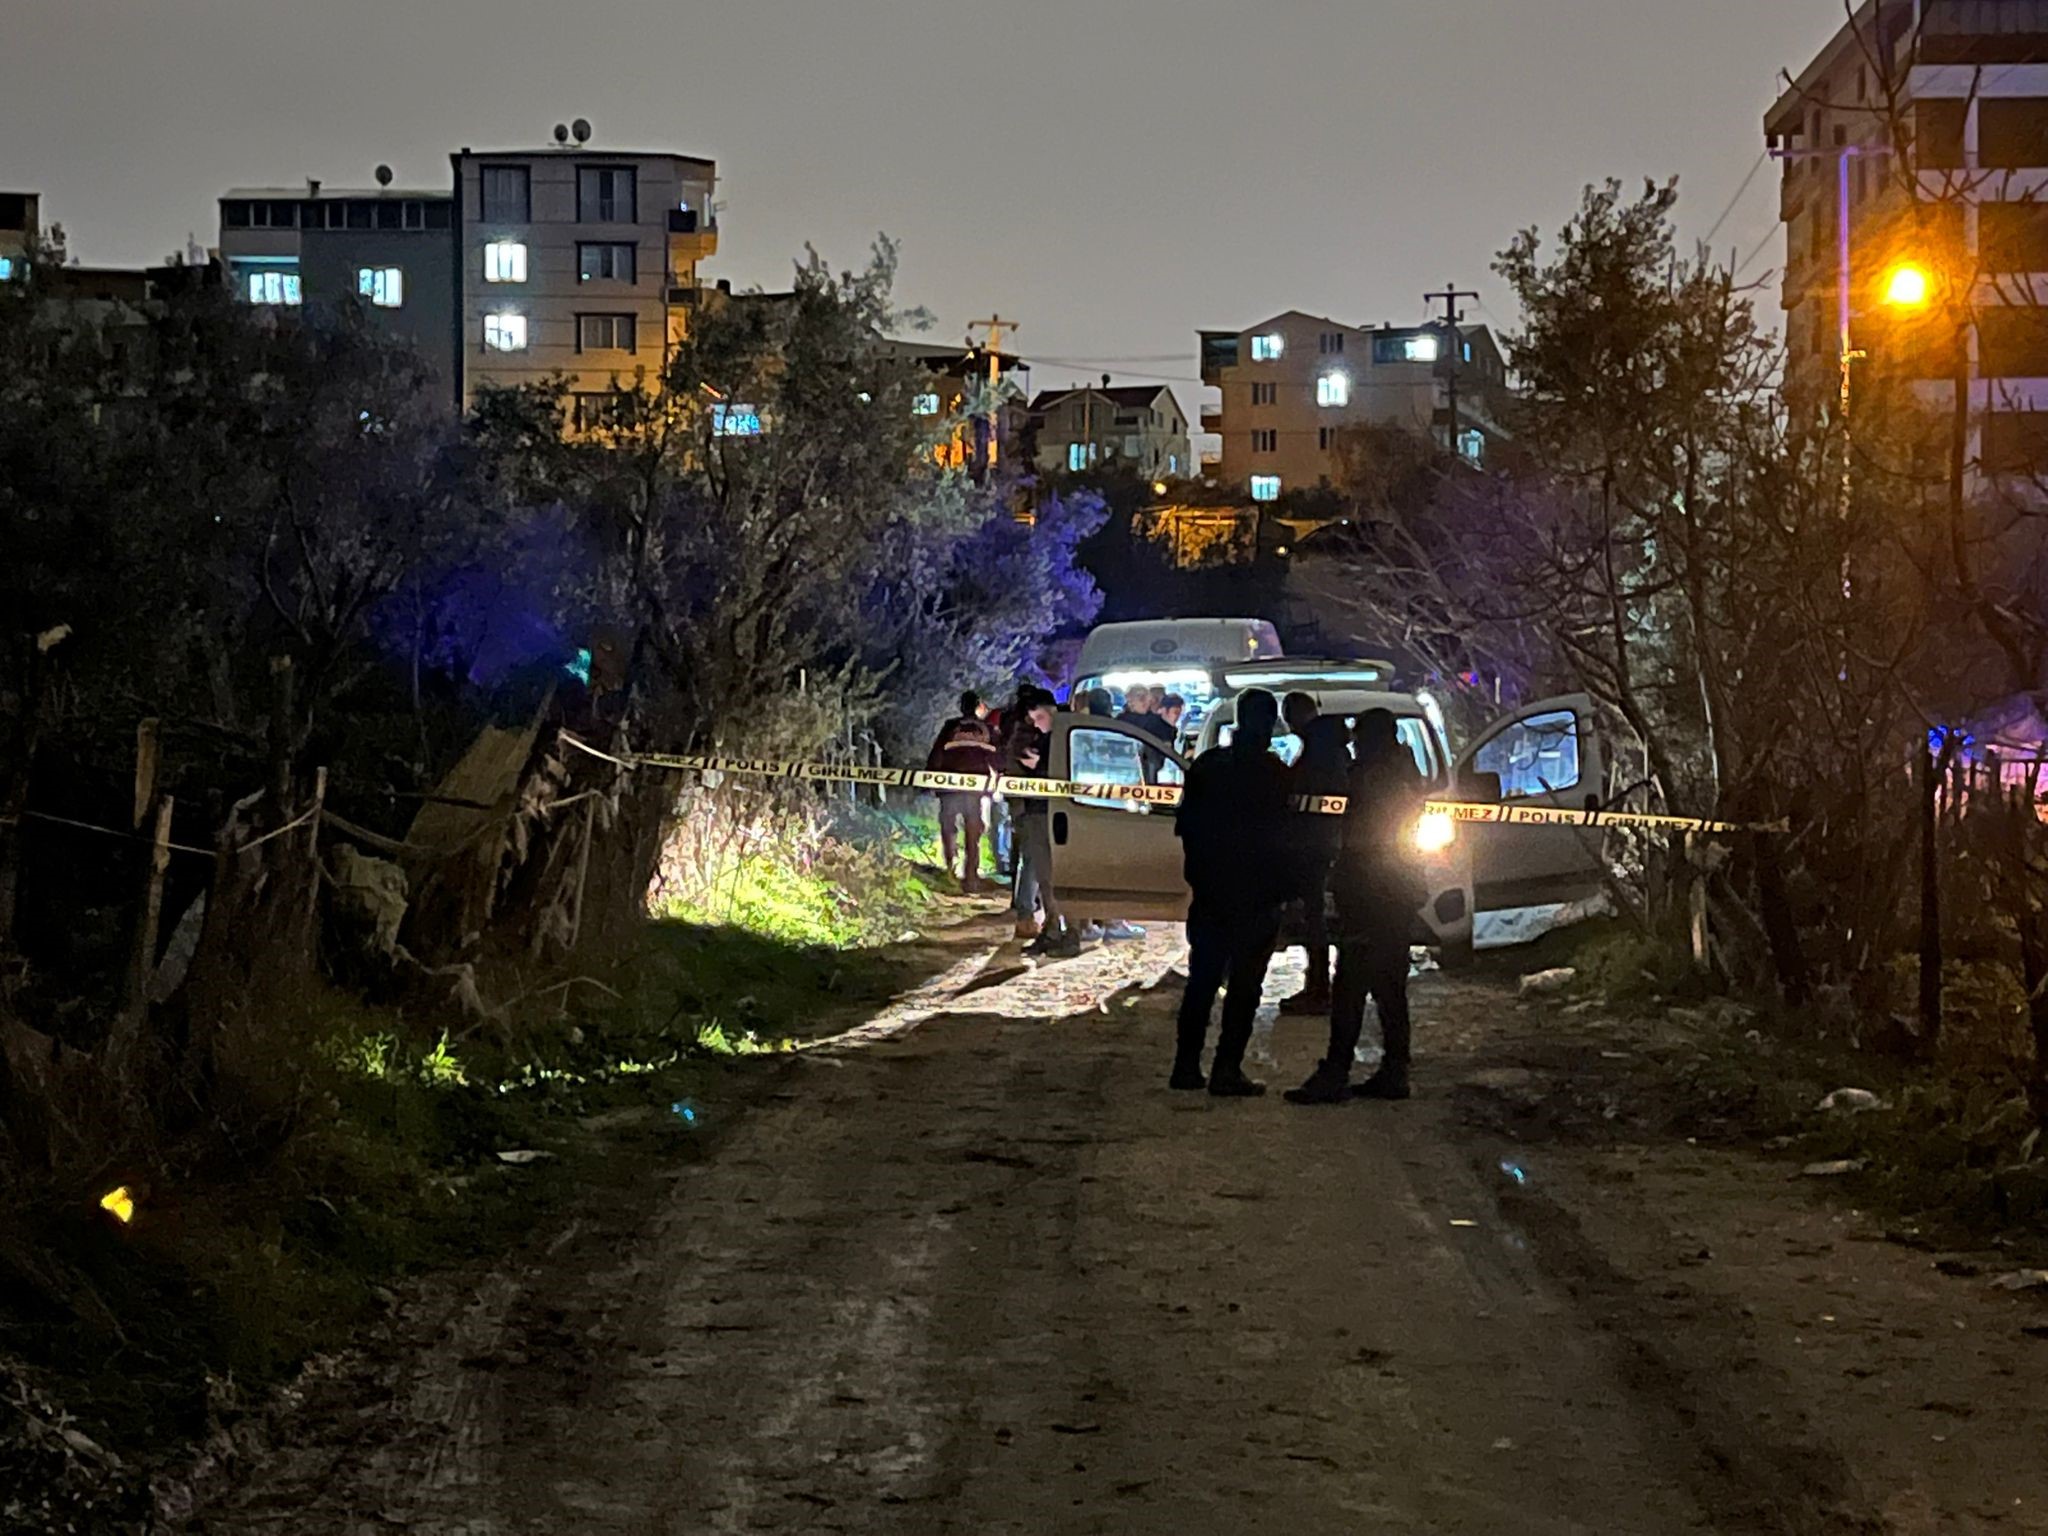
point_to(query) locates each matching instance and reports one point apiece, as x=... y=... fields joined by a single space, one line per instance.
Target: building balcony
x=1212 y=418
x=692 y=236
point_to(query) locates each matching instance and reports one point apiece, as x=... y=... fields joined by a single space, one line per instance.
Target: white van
x=1183 y=656
x=1110 y=856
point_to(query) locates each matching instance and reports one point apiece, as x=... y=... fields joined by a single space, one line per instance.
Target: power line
x=1762 y=156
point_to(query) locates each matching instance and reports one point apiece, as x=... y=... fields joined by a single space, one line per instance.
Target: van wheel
x=1456 y=954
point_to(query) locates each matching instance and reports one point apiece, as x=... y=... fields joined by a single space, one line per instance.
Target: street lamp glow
x=1906 y=286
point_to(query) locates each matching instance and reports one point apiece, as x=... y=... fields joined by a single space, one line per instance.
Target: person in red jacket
x=965 y=744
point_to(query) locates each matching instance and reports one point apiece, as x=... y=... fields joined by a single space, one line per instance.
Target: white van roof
x=1175 y=643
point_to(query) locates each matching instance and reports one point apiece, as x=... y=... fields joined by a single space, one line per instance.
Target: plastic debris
x=1463 y=1221
x=684 y=1110
x=523 y=1156
x=119 y=1203
x=1833 y=1168
x=1514 y=1170
x=1541 y=983
x=2023 y=1280
x=1852 y=1100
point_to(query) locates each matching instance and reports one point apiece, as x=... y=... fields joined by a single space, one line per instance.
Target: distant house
x=1137 y=426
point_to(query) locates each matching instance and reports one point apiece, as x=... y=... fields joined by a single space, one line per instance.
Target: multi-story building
x=577 y=262
x=1291 y=386
x=1140 y=427
x=1960 y=86
x=390 y=248
x=20 y=228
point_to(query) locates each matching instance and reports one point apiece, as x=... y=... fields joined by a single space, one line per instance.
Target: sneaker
x=1383 y=1084
x=1122 y=930
x=1322 y=1087
x=1091 y=933
x=1306 y=1001
x=1234 y=1085
x=1065 y=946
x=1187 y=1077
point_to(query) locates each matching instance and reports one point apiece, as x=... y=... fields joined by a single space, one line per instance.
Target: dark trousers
x=1316 y=931
x=1372 y=961
x=1224 y=946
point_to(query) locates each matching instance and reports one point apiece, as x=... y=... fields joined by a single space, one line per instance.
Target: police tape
x=1014 y=787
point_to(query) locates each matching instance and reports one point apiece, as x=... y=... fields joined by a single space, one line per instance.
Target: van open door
x=1114 y=858
x=1546 y=754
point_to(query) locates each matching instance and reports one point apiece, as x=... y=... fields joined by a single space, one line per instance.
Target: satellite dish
x=561 y=133
x=383 y=175
x=581 y=128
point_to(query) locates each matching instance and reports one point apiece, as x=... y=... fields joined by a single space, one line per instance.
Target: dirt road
x=985 y=1274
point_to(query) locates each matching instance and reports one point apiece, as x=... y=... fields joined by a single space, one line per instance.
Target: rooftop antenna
x=383 y=175
x=581 y=129
x=561 y=133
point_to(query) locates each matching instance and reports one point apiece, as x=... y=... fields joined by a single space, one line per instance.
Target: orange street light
x=1906 y=286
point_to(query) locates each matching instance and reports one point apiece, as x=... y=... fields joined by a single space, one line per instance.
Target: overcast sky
x=1112 y=173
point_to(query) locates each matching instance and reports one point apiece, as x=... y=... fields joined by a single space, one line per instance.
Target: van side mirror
x=1477 y=784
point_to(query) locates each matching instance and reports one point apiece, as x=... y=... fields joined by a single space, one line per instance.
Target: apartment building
x=1971 y=78
x=579 y=262
x=20 y=227
x=1140 y=427
x=1291 y=385
x=389 y=248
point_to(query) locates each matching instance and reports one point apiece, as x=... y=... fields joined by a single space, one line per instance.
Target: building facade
x=1290 y=386
x=390 y=249
x=1140 y=427
x=577 y=262
x=1955 y=181
x=20 y=228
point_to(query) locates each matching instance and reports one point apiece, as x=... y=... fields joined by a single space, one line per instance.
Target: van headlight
x=1435 y=832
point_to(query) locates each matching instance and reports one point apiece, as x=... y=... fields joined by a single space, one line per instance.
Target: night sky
x=1113 y=173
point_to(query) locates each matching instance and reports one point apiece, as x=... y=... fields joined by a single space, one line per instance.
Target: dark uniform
x=1323 y=769
x=1378 y=890
x=1233 y=828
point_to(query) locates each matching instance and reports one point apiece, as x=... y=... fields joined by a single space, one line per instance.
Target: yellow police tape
x=1018 y=788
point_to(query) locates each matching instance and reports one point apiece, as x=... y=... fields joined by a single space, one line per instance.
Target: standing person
x=1321 y=770
x=965 y=744
x=1025 y=756
x=1097 y=701
x=1233 y=828
x=1137 y=707
x=1378 y=889
x=1168 y=712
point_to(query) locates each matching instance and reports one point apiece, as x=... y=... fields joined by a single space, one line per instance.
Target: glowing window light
x=1333 y=389
x=505 y=262
x=1269 y=347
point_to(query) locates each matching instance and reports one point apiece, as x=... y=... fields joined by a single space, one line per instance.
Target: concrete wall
x=330 y=260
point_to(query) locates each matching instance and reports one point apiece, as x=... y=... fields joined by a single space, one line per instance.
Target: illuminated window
x=1472 y=445
x=1268 y=347
x=924 y=405
x=382 y=286
x=735 y=421
x=1404 y=349
x=505 y=262
x=274 y=285
x=1333 y=389
x=605 y=333
x=598 y=411
x=606 y=261
x=6 y=268
x=1265 y=487
x=504 y=333
x=1080 y=455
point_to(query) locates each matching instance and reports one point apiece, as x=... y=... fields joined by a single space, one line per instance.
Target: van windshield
x=1195 y=687
x=1413 y=730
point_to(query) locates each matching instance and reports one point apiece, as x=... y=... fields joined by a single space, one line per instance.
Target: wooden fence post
x=142 y=957
x=1928 y=771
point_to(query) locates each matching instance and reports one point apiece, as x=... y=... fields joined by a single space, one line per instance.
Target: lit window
x=735 y=421
x=274 y=287
x=1267 y=347
x=1173 y=463
x=505 y=262
x=1080 y=455
x=924 y=405
x=1404 y=349
x=1333 y=389
x=382 y=286
x=1265 y=487
x=605 y=333
x=1420 y=349
x=1468 y=345
x=6 y=269
x=1472 y=445
x=504 y=333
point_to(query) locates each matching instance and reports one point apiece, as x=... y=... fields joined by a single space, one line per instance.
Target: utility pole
x=995 y=325
x=1450 y=294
